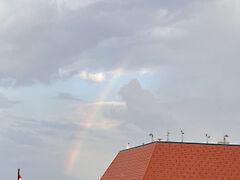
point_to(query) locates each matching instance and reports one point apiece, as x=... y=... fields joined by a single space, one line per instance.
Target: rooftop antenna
x=128 y=145
x=225 y=139
x=151 y=136
x=168 y=134
x=207 y=137
x=182 y=133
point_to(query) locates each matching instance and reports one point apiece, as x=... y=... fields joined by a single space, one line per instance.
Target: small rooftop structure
x=176 y=161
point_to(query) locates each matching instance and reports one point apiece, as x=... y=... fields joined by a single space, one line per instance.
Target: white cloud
x=93 y=77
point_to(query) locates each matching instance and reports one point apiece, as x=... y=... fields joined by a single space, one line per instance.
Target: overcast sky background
x=79 y=79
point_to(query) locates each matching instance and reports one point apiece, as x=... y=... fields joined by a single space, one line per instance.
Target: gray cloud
x=68 y=97
x=196 y=41
x=31 y=135
x=5 y=102
x=42 y=143
x=44 y=38
x=146 y=112
x=144 y=109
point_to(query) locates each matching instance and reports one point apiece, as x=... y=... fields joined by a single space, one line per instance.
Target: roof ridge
x=110 y=165
x=149 y=162
x=176 y=142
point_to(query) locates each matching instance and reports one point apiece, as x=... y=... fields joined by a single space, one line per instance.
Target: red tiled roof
x=176 y=161
x=130 y=165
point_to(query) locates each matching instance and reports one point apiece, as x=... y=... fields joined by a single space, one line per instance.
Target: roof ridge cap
x=149 y=162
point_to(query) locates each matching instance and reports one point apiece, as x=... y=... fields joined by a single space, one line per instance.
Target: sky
x=79 y=79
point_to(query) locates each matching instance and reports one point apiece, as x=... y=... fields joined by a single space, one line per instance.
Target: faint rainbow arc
x=74 y=151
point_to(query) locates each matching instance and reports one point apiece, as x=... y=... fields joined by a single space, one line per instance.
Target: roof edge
x=174 y=142
x=110 y=165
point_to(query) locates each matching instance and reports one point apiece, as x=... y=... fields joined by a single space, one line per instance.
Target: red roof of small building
x=176 y=161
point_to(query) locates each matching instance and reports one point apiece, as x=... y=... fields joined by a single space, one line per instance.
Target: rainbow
x=73 y=153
